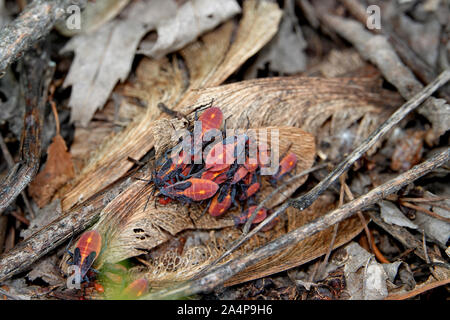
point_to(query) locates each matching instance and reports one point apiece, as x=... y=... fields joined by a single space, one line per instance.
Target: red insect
x=223 y=155
x=136 y=289
x=218 y=177
x=221 y=202
x=240 y=173
x=287 y=164
x=260 y=216
x=211 y=119
x=193 y=189
x=251 y=188
x=86 y=251
x=172 y=168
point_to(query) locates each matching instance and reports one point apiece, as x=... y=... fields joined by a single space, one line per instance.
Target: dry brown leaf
x=58 y=170
x=210 y=61
x=131 y=230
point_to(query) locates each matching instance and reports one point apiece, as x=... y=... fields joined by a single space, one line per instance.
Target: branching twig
x=222 y=273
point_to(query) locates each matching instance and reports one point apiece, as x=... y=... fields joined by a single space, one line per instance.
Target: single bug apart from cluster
x=222 y=180
x=87 y=249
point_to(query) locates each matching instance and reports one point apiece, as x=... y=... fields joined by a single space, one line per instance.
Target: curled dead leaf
x=58 y=170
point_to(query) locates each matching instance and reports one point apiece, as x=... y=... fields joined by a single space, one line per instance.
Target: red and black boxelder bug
x=240 y=173
x=223 y=154
x=86 y=251
x=218 y=177
x=171 y=169
x=135 y=289
x=211 y=119
x=193 y=189
x=260 y=216
x=287 y=164
x=250 y=188
x=222 y=201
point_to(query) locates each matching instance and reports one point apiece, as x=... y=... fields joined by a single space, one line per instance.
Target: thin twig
x=306 y=200
x=377 y=252
x=276 y=191
x=222 y=273
x=349 y=194
x=426 y=211
x=406 y=239
x=335 y=230
x=434 y=199
x=9 y=295
x=427 y=258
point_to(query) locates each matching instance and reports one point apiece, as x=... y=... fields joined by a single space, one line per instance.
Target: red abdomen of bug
x=89 y=242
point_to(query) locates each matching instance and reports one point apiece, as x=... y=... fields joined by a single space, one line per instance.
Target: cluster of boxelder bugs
x=220 y=179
